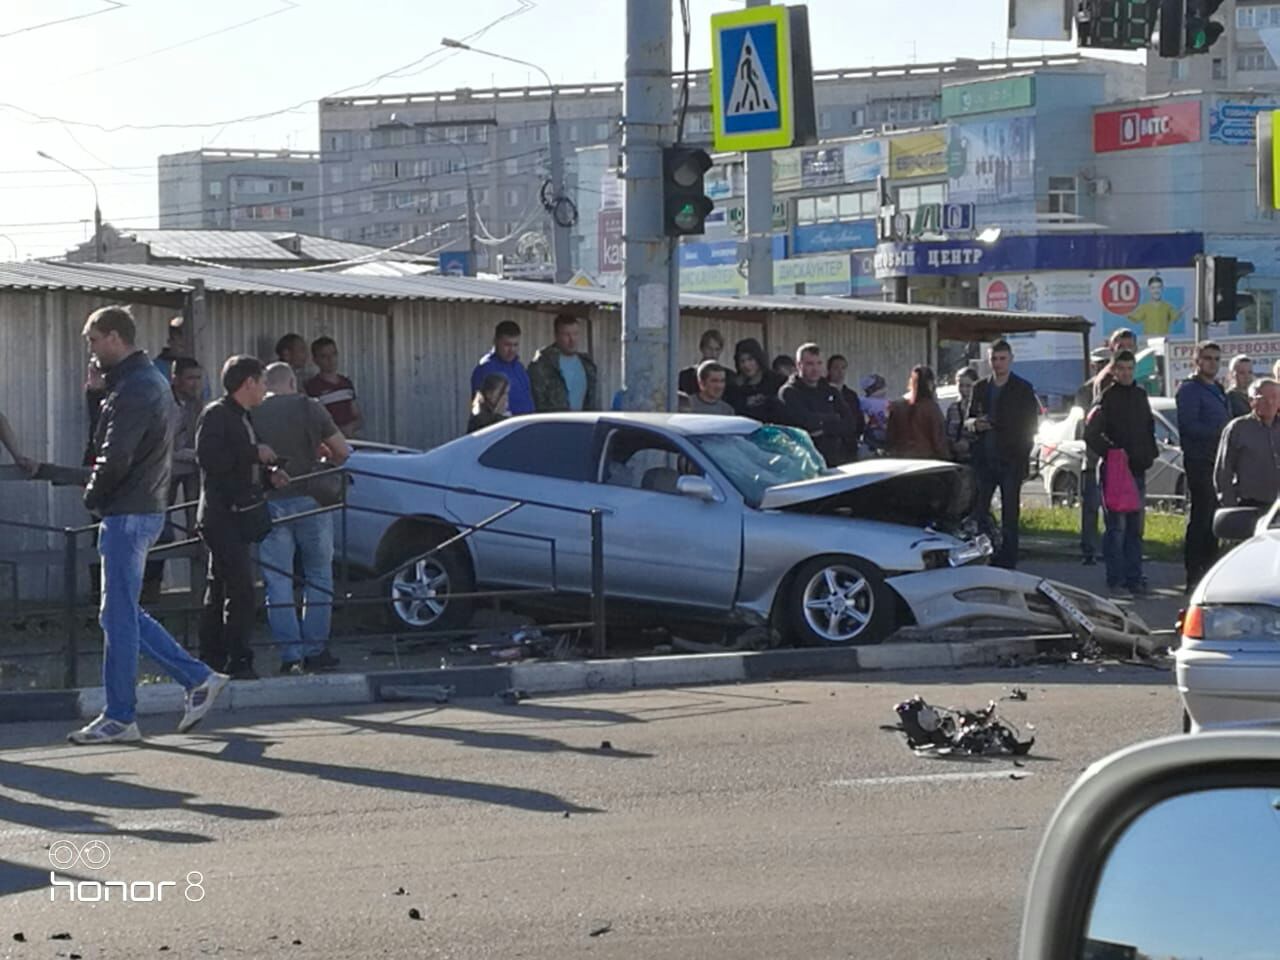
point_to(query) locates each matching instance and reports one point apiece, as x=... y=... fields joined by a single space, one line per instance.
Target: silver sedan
x=710 y=518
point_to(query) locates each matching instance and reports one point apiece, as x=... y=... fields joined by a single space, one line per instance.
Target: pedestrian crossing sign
x=751 y=79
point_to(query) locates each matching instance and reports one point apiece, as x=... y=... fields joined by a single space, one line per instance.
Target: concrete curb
x=575 y=676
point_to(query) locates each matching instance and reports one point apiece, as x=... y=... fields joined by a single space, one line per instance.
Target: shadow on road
x=251 y=750
x=488 y=739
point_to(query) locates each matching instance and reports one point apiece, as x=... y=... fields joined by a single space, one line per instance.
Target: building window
x=860 y=118
x=1219 y=68
x=299 y=212
x=335 y=174
x=824 y=120
x=573 y=132
x=478 y=134
x=602 y=131
x=1063 y=198
x=337 y=233
x=1259 y=316
x=297 y=186
x=215 y=188
x=513 y=135
x=335 y=205
x=1254 y=60
x=482 y=196
x=540 y=133
x=857 y=205
x=337 y=141
x=366 y=203
x=512 y=198
x=512 y=167
x=911 y=199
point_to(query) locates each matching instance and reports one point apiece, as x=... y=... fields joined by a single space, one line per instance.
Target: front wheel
x=422 y=590
x=840 y=601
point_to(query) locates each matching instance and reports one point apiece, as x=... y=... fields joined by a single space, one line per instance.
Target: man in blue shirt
x=1203 y=413
x=504 y=358
x=561 y=377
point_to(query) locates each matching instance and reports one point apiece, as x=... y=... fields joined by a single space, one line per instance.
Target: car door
x=543 y=465
x=1165 y=475
x=659 y=545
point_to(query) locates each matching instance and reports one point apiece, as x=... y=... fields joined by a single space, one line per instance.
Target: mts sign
x=1142 y=127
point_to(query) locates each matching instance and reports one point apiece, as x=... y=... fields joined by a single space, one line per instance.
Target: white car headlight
x=1235 y=622
x=979 y=548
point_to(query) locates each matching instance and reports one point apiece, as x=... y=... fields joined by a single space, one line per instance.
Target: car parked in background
x=1061 y=453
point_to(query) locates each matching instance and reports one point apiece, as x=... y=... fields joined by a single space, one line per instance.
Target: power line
x=525 y=7
x=112 y=5
x=288 y=5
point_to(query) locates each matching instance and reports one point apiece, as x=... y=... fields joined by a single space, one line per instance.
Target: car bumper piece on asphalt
x=966 y=595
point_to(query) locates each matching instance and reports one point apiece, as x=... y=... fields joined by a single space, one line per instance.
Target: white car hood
x=852 y=476
x=1248 y=574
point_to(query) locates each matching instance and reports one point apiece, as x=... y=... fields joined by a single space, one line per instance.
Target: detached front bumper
x=976 y=594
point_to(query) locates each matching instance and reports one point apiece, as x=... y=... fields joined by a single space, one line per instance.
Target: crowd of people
x=1230 y=439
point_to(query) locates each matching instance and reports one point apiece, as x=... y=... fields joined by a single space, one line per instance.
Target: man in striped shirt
x=336 y=392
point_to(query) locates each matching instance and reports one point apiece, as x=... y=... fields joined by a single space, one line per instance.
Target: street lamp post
x=99 y=246
x=560 y=232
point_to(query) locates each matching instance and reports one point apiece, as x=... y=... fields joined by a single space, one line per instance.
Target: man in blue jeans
x=128 y=487
x=296 y=426
x=1122 y=420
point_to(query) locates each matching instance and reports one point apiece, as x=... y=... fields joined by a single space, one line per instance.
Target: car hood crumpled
x=853 y=476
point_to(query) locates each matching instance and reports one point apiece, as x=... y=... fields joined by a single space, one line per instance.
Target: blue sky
x=148 y=62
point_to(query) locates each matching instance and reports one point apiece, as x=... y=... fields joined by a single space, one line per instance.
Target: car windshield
x=764 y=458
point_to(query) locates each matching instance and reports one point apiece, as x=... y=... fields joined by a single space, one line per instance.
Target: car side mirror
x=697 y=488
x=1235 y=523
x=1166 y=849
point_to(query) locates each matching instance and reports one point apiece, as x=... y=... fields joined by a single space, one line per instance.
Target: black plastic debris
x=60 y=936
x=415 y=913
x=944 y=730
x=512 y=697
x=606 y=744
x=1017 y=694
x=601 y=931
x=20 y=937
x=399 y=892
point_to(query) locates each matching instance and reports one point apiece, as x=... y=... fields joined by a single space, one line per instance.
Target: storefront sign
x=1180 y=355
x=1141 y=127
x=720 y=253
x=830 y=237
x=918 y=155
x=988 y=96
x=1233 y=123
x=1092 y=251
x=863 y=161
x=822 y=167
x=609 y=240
x=992 y=161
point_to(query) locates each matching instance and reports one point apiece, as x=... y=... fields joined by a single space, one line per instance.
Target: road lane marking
x=931 y=778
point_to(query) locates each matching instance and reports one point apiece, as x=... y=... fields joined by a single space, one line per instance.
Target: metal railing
x=72 y=606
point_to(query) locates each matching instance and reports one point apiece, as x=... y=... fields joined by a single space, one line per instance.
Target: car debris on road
x=945 y=731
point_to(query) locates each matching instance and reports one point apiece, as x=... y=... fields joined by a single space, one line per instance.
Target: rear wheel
x=1066 y=489
x=840 y=601
x=422 y=590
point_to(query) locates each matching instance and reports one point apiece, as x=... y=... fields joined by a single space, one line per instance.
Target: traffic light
x=1201 y=31
x=685 y=205
x=1222 y=274
x=1116 y=24
x=1172 y=33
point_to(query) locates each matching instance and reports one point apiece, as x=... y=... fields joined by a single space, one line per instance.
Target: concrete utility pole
x=559 y=232
x=647 y=110
x=759 y=213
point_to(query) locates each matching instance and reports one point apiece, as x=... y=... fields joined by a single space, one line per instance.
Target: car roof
x=686 y=424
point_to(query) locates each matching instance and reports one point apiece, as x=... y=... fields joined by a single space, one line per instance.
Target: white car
x=1062 y=457
x=1228 y=664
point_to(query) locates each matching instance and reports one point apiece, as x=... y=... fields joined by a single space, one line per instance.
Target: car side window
x=644 y=461
x=558 y=450
x=1163 y=433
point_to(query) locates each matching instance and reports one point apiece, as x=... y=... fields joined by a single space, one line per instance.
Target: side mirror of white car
x=1166 y=849
x=1235 y=523
x=698 y=488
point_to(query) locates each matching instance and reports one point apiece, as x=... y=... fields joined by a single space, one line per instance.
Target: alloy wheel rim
x=839 y=603
x=420 y=593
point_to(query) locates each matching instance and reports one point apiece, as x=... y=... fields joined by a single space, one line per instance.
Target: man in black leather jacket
x=128 y=487
x=231 y=475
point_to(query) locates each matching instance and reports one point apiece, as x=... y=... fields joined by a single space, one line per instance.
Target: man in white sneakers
x=128 y=488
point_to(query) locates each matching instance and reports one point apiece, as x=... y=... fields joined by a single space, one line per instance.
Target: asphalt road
x=762 y=821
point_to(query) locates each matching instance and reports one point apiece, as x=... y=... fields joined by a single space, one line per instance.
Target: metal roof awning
x=953 y=323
